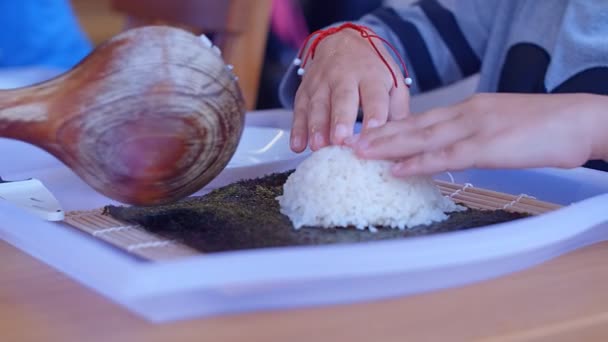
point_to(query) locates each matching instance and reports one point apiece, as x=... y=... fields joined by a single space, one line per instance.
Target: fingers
x=397 y=109
x=374 y=102
x=411 y=141
x=408 y=124
x=318 y=118
x=344 y=107
x=459 y=156
x=434 y=116
x=399 y=103
x=391 y=128
x=344 y=76
x=299 y=126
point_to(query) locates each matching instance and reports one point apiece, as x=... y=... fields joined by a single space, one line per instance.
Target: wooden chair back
x=238 y=27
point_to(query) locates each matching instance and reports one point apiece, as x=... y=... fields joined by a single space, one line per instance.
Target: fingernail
x=341 y=131
x=373 y=123
x=296 y=141
x=319 y=141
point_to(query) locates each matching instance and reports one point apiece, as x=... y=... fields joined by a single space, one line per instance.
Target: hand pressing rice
x=334 y=188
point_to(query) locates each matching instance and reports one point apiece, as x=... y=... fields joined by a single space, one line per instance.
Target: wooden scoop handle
x=23 y=113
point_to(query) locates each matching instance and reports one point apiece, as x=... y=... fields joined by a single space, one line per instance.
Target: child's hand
x=346 y=72
x=494 y=131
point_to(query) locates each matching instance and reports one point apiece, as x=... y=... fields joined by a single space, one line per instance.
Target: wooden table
x=563 y=300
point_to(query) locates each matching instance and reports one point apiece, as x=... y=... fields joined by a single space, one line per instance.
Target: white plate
x=293 y=277
x=262 y=150
x=260 y=145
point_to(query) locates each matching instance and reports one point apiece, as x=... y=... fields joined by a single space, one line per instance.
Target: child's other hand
x=345 y=73
x=493 y=131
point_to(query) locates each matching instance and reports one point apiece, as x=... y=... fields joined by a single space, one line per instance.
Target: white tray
x=304 y=276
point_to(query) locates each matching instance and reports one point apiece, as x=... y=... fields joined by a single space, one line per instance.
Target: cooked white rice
x=334 y=188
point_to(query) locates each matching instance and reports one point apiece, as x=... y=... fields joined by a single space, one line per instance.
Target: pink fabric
x=287 y=22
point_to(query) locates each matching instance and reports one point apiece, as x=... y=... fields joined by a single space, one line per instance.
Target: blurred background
x=260 y=37
x=43 y=38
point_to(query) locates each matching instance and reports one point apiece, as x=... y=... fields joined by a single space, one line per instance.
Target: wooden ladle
x=149 y=117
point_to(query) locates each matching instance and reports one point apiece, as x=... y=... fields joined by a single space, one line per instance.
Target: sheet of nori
x=246 y=215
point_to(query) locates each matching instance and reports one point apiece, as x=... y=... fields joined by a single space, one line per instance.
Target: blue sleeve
x=40 y=33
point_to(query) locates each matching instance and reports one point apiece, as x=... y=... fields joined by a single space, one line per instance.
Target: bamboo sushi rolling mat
x=136 y=241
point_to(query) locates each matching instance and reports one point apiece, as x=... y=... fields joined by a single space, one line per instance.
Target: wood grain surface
x=149 y=117
x=561 y=300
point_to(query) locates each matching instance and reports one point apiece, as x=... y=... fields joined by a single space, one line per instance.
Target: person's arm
x=494 y=131
x=441 y=41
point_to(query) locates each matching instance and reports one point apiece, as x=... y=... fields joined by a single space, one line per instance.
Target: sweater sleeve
x=441 y=41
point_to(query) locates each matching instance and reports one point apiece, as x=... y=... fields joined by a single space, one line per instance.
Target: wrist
x=348 y=36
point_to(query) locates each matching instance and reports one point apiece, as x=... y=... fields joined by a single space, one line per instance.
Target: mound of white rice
x=334 y=188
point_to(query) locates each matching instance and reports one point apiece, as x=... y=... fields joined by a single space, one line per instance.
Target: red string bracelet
x=365 y=32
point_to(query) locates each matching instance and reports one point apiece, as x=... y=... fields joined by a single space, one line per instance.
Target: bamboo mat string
x=452 y=180
x=152 y=244
x=463 y=189
x=515 y=201
x=111 y=230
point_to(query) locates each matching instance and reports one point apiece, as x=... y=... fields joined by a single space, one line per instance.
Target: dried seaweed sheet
x=246 y=215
